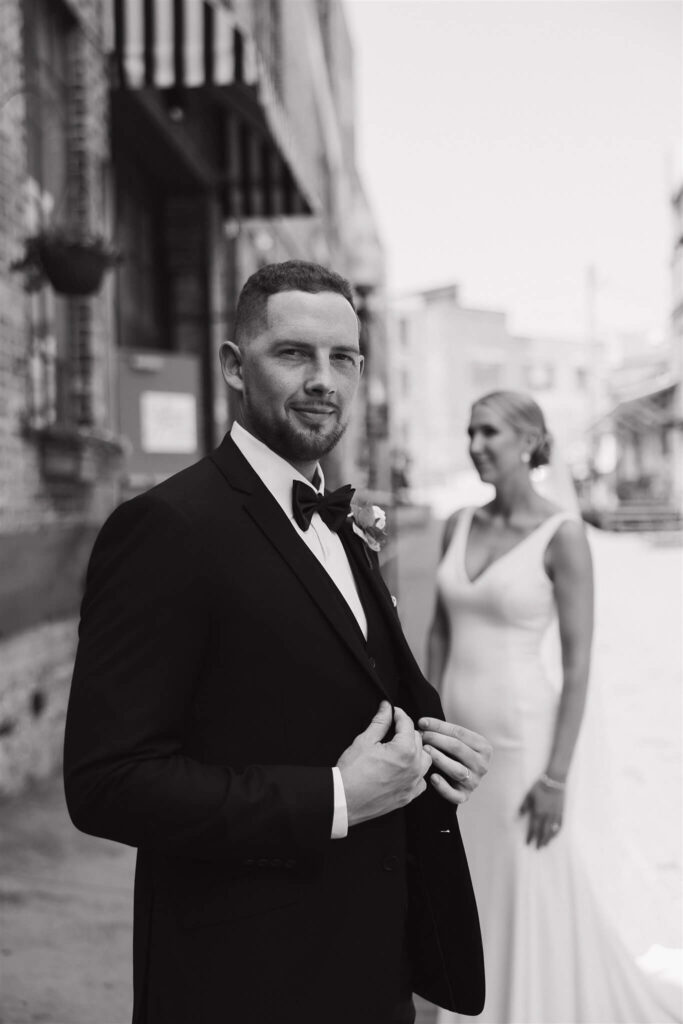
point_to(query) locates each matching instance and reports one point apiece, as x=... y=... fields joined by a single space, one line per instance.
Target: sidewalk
x=66 y=898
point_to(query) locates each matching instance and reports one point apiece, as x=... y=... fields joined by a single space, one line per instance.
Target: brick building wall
x=47 y=525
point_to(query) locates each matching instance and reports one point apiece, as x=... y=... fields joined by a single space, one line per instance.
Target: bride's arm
x=438 y=637
x=568 y=563
x=437 y=645
x=571 y=571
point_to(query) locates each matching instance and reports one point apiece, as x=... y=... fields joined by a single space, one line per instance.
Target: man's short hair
x=290 y=276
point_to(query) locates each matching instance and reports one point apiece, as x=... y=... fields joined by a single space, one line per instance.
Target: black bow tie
x=333 y=508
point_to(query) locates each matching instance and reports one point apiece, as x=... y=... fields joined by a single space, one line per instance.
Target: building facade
x=446 y=355
x=151 y=157
x=677 y=345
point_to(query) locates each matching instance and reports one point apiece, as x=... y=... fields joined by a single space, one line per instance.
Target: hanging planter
x=74 y=263
x=80 y=455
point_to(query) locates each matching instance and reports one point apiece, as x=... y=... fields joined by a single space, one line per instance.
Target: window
x=269 y=34
x=485 y=376
x=47 y=29
x=581 y=378
x=540 y=376
x=143 y=300
x=404 y=332
x=46 y=38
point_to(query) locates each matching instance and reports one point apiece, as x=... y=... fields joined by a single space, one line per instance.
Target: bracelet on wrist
x=545 y=780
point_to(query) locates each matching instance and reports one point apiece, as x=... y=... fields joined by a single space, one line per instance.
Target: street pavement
x=66 y=898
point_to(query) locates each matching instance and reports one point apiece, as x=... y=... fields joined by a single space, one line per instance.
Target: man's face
x=299 y=375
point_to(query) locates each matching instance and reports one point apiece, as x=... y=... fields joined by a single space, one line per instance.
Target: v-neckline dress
x=551 y=955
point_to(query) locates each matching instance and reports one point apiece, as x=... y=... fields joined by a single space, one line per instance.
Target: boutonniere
x=369 y=522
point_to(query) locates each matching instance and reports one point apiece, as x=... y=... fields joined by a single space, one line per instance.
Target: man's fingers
x=451 y=768
x=457 y=749
x=457 y=732
x=379 y=726
x=451 y=746
x=448 y=792
x=403 y=724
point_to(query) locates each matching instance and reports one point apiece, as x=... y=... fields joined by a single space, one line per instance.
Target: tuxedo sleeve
x=142 y=638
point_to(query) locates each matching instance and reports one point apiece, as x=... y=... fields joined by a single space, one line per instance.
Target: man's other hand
x=460 y=758
x=381 y=777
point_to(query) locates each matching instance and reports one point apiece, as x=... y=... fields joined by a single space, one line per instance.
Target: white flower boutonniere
x=369 y=522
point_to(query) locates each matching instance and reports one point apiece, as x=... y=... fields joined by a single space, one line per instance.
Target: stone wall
x=35 y=673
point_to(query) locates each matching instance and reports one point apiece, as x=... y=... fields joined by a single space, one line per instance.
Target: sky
x=509 y=145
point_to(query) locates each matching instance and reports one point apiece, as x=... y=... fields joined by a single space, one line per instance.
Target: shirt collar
x=275 y=472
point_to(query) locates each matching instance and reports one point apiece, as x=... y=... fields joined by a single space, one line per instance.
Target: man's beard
x=291 y=444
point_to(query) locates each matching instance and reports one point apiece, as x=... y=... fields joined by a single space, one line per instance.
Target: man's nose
x=475 y=444
x=321 y=379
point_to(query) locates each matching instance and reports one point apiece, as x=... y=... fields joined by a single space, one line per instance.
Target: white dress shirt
x=278 y=475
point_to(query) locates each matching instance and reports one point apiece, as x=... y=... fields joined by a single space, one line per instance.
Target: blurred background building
x=637 y=445
x=445 y=355
x=151 y=157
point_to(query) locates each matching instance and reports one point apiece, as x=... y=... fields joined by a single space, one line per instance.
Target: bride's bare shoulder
x=549 y=508
x=449 y=528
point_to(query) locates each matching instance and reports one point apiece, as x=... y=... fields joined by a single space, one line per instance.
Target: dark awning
x=176 y=45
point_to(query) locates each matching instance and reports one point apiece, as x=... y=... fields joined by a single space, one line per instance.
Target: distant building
x=199 y=139
x=677 y=344
x=566 y=376
x=638 y=444
x=633 y=442
x=445 y=355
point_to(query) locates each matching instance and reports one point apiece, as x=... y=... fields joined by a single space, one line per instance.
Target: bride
x=508 y=570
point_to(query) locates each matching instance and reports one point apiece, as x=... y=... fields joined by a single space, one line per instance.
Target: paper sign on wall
x=168 y=422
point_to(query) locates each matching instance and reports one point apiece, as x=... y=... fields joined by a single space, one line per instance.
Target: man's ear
x=231 y=365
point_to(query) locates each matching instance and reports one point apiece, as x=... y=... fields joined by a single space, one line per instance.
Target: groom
x=242 y=711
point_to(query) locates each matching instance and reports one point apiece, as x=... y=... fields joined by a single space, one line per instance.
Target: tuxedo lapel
x=262 y=507
x=368 y=569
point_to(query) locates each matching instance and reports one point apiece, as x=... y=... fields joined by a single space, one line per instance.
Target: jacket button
x=262 y=862
x=390 y=863
x=373 y=663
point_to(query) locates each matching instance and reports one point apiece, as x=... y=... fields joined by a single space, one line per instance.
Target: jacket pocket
x=199 y=902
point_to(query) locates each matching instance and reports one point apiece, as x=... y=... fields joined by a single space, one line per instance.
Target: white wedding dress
x=552 y=954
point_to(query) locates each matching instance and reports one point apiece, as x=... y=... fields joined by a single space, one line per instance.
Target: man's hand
x=461 y=758
x=380 y=777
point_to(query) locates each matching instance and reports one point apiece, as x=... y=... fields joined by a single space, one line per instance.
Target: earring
x=525 y=457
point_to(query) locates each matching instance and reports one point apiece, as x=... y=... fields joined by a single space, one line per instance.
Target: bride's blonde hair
x=525 y=416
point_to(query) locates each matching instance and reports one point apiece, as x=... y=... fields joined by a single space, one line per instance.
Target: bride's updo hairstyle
x=526 y=417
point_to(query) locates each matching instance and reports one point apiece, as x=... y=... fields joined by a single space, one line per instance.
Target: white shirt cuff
x=340 y=819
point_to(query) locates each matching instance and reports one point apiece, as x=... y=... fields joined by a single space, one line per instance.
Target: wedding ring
x=467 y=774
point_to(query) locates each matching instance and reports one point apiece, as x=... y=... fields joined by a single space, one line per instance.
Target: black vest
x=380 y=644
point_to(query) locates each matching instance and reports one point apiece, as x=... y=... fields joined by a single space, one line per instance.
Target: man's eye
x=344 y=357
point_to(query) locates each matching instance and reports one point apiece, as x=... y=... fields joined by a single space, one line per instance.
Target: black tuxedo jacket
x=218 y=679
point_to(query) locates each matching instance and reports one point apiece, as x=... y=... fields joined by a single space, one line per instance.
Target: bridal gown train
x=552 y=956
